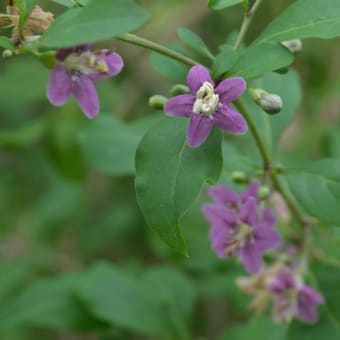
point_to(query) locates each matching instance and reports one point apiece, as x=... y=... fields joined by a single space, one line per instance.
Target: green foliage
x=221 y=4
x=305 y=19
x=170 y=175
x=98 y=20
x=317 y=187
x=261 y=58
x=195 y=42
x=6 y=43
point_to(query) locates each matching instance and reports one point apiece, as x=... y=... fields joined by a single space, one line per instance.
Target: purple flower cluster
x=293 y=298
x=239 y=227
x=74 y=75
x=208 y=105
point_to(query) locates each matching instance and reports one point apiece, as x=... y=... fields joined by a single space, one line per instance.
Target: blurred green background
x=67 y=198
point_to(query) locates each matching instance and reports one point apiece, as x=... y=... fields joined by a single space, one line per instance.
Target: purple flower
x=242 y=231
x=294 y=299
x=74 y=75
x=208 y=105
x=231 y=199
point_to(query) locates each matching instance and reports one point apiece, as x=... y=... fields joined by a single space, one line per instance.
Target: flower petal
x=252 y=258
x=196 y=77
x=252 y=191
x=113 y=61
x=219 y=215
x=224 y=195
x=198 y=130
x=86 y=95
x=59 y=87
x=248 y=212
x=230 y=89
x=268 y=218
x=266 y=238
x=227 y=119
x=180 y=106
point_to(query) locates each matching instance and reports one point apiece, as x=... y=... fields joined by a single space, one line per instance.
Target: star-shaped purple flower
x=74 y=75
x=294 y=299
x=242 y=231
x=208 y=105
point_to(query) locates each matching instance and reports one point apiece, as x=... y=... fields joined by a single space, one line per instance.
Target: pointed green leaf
x=317 y=188
x=98 y=20
x=305 y=19
x=221 y=4
x=195 y=42
x=170 y=175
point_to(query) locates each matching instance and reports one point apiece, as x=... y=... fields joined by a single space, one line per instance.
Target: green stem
x=240 y=105
x=150 y=45
x=248 y=17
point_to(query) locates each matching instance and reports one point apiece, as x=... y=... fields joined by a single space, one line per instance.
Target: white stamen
x=206 y=101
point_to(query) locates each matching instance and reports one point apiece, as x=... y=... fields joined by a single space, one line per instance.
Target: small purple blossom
x=294 y=299
x=208 y=105
x=74 y=75
x=237 y=227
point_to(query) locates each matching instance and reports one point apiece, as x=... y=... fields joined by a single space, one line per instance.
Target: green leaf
x=98 y=20
x=258 y=328
x=109 y=146
x=114 y=296
x=46 y=303
x=317 y=188
x=169 y=286
x=305 y=19
x=195 y=42
x=6 y=43
x=221 y=4
x=224 y=61
x=168 y=67
x=12 y=275
x=261 y=58
x=170 y=175
x=23 y=136
x=289 y=89
x=323 y=329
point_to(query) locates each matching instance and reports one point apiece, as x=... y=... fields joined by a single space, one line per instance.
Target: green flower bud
x=179 y=89
x=7 y=53
x=269 y=102
x=157 y=101
x=239 y=177
x=294 y=45
x=264 y=192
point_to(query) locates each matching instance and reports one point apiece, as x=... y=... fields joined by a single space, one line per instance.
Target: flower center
x=206 y=101
x=242 y=236
x=85 y=63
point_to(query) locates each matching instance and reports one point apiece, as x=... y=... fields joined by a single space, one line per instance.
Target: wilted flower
x=37 y=23
x=237 y=227
x=293 y=298
x=257 y=286
x=75 y=73
x=207 y=105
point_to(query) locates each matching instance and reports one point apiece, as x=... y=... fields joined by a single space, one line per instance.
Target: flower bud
x=269 y=102
x=179 y=89
x=239 y=177
x=294 y=45
x=157 y=101
x=264 y=193
x=7 y=53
